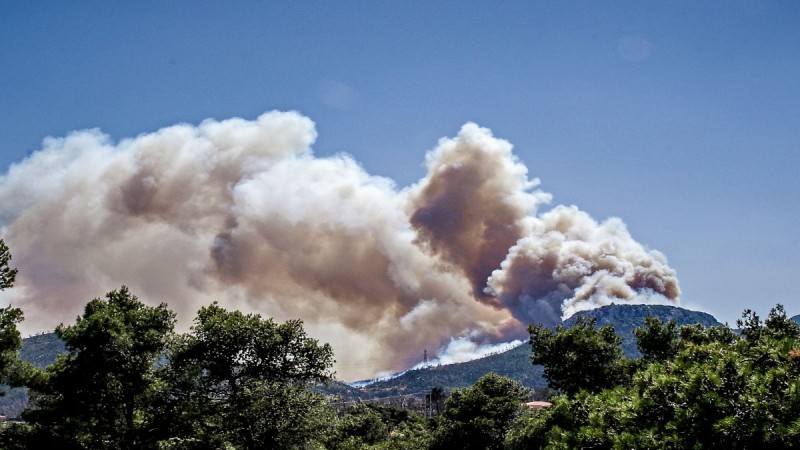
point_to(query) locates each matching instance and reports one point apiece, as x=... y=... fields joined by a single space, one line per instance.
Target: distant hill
x=626 y=318
x=516 y=363
x=513 y=363
x=42 y=350
x=796 y=319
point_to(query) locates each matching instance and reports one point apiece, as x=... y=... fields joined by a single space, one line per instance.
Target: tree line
x=240 y=381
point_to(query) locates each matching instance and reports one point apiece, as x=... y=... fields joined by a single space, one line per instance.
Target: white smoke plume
x=242 y=212
x=463 y=349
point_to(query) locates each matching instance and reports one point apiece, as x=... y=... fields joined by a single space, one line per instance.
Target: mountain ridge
x=516 y=364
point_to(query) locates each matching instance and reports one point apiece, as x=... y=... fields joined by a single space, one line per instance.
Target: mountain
x=516 y=364
x=513 y=363
x=625 y=318
x=41 y=350
x=796 y=319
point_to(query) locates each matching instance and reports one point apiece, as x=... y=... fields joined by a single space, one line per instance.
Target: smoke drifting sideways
x=242 y=212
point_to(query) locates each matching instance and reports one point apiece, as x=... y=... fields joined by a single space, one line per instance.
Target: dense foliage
x=579 y=357
x=97 y=395
x=241 y=381
x=238 y=381
x=376 y=427
x=127 y=381
x=696 y=388
x=479 y=416
x=10 y=339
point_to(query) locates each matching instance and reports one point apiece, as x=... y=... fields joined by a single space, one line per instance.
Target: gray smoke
x=242 y=212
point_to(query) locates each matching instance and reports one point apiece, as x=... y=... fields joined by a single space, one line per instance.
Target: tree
x=713 y=389
x=10 y=339
x=379 y=427
x=240 y=381
x=657 y=340
x=579 y=357
x=362 y=426
x=98 y=394
x=478 y=417
x=7 y=274
x=10 y=342
x=437 y=397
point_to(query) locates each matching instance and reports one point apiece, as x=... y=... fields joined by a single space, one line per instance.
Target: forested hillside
x=516 y=364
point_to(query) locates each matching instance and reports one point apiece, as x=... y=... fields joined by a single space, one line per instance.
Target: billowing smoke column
x=567 y=262
x=242 y=212
x=470 y=208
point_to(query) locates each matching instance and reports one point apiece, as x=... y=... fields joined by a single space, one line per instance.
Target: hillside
x=41 y=350
x=625 y=318
x=516 y=364
x=513 y=363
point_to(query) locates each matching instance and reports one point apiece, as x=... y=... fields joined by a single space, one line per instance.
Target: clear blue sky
x=682 y=118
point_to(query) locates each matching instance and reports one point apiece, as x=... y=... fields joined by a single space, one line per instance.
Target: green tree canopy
x=240 y=381
x=478 y=417
x=10 y=342
x=12 y=369
x=10 y=339
x=580 y=357
x=370 y=426
x=97 y=395
x=710 y=389
x=657 y=340
x=7 y=273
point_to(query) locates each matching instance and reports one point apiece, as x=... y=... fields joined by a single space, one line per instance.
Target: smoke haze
x=242 y=212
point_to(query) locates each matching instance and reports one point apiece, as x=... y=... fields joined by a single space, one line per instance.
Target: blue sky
x=682 y=118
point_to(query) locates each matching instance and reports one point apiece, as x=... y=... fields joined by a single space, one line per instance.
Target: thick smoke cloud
x=470 y=207
x=242 y=212
x=567 y=262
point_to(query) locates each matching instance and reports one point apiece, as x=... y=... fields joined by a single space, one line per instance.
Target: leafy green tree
x=657 y=340
x=240 y=381
x=10 y=339
x=360 y=427
x=437 y=397
x=377 y=427
x=10 y=342
x=478 y=417
x=714 y=390
x=7 y=273
x=580 y=357
x=97 y=395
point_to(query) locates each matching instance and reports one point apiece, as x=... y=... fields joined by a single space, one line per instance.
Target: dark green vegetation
x=97 y=394
x=515 y=363
x=478 y=417
x=626 y=318
x=695 y=387
x=644 y=377
x=42 y=350
x=10 y=339
x=512 y=364
x=127 y=381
